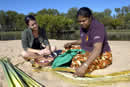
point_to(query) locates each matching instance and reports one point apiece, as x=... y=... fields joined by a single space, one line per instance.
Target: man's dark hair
x=28 y=18
x=85 y=12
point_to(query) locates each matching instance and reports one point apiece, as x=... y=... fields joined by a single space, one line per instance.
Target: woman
x=34 y=40
x=93 y=40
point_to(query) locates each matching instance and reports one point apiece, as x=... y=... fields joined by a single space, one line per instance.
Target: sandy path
x=12 y=49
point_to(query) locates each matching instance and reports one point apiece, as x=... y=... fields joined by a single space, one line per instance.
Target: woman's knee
x=53 y=48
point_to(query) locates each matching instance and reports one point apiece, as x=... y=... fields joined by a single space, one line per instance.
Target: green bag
x=65 y=59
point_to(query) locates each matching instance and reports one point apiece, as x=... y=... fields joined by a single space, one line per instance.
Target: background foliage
x=54 y=21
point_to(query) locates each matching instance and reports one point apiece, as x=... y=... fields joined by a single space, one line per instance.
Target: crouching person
x=34 y=40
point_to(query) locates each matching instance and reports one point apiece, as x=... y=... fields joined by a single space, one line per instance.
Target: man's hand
x=68 y=45
x=81 y=70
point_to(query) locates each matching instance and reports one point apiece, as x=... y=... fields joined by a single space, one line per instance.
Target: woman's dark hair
x=85 y=12
x=28 y=18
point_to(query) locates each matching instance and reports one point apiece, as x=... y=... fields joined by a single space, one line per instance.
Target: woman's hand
x=81 y=71
x=40 y=52
x=44 y=52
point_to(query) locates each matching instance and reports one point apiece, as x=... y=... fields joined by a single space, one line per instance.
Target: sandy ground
x=12 y=49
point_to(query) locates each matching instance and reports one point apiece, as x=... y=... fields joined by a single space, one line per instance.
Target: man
x=94 y=41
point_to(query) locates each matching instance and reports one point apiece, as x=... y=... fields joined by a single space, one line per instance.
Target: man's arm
x=77 y=42
x=95 y=53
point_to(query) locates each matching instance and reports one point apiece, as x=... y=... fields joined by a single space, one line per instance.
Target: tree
x=42 y=12
x=107 y=21
x=3 y=20
x=54 y=23
x=128 y=8
x=20 y=24
x=63 y=14
x=48 y=12
x=117 y=10
x=53 y=12
x=107 y=12
x=115 y=23
x=72 y=13
x=11 y=19
x=31 y=13
x=98 y=15
x=2 y=17
x=127 y=21
x=124 y=10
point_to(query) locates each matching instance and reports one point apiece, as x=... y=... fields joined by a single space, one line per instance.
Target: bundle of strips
x=16 y=77
x=93 y=80
x=66 y=74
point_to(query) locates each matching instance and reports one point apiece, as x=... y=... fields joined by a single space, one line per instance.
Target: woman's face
x=33 y=25
x=84 y=21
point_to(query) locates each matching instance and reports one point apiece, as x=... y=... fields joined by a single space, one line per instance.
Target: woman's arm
x=24 y=40
x=33 y=50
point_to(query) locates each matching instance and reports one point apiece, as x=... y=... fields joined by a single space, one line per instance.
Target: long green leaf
x=15 y=77
x=10 y=83
x=28 y=78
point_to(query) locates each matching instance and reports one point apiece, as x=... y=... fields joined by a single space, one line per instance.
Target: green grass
x=11 y=32
x=112 y=35
x=123 y=30
x=10 y=35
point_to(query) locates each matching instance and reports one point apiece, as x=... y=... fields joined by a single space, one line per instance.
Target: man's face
x=33 y=25
x=84 y=21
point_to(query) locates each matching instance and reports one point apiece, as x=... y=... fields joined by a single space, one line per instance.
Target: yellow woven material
x=93 y=76
x=89 y=80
